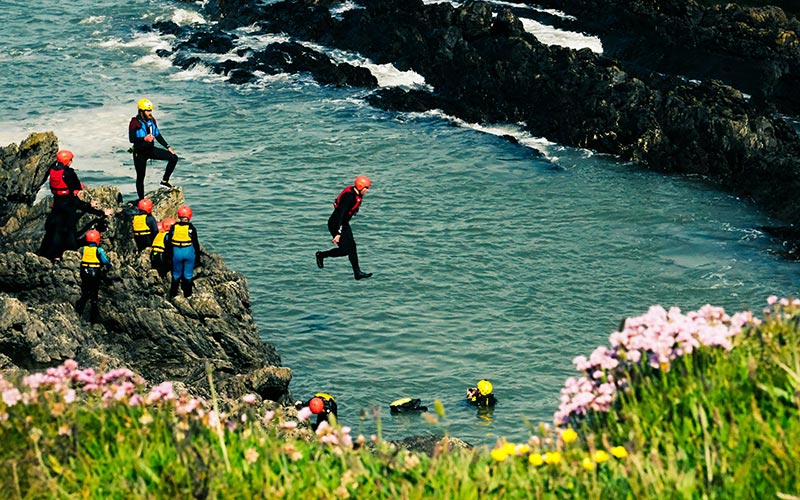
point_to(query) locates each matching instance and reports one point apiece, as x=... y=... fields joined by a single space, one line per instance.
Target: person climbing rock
x=143 y=132
x=182 y=244
x=482 y=394
x=60 y=229
x=158 y=257
x=93 y=262
x=145 y=226
x=344 y=208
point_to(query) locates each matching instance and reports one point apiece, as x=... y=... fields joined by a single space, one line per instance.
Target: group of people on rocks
x=173 y=241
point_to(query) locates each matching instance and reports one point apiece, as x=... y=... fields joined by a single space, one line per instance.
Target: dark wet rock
x=138 y=327
x=431 y=445
x=217 y=42
x=755 y=49
x=292 y=57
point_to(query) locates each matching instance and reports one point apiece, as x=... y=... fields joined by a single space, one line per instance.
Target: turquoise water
x=491 y=259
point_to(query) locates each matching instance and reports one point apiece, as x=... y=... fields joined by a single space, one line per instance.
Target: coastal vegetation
x=708 y=407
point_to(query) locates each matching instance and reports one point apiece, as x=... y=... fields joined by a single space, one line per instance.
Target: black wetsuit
x=339 y=223
x=60 y=227
x=143 y=150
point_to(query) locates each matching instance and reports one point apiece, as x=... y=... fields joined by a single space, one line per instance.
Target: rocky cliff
x=138 y=327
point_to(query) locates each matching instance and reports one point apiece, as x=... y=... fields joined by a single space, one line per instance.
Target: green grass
x=716 y=424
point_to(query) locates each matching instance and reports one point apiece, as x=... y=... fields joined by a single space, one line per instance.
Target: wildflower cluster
x=558 y=451
x=69 y=384
x=654 y=339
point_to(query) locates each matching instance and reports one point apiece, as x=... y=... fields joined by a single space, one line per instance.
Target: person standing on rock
x=182 y=244
x=143 y=132
x=61 y=224
x=158 y=257
x=344 y=208
x=145 y=226
x=93 y=262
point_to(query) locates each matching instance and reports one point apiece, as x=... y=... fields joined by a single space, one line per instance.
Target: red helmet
x=145 y=205
x=167 y=223
x=64 y=157
x=362 y=181
x=184 y=211
x=316 y=405
x=93 y=236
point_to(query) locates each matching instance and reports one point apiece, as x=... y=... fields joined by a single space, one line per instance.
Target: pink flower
x=11 y=396
x=304 y=414
x=249 y=398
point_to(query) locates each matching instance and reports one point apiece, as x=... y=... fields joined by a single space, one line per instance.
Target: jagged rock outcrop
x=138 y=327
x=755 y=49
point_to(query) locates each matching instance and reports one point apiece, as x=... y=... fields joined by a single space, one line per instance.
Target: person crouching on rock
x=93 y=262
x=145 y=226
x=158 y=257
x=482 y=394
x=182 y=244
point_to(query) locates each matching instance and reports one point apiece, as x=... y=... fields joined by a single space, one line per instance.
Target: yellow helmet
x=145 y=105
x=485 y=387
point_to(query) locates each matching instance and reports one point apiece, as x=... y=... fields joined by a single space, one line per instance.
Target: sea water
x=490 y=259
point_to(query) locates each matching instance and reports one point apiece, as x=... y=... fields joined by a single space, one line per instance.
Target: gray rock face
x=138 y=326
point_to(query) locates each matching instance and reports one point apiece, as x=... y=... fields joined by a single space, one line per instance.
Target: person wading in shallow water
x=344 y=208
x=142 y=133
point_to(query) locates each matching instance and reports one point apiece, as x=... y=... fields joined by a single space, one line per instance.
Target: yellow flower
x=499 y=454
x=619 y=452
x=522 y=449
x=509 y=448
x=536 y=459
x=569 y=436
x=552 y=458
x=600 y=456
x=587 y=463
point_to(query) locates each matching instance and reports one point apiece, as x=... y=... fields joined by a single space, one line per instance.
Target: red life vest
x=57 y=185
x=349 y=189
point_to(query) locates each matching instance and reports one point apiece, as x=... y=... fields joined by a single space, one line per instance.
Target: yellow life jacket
x=180 y=235
x=140 y=227
x=158 y=242
x=90 y=258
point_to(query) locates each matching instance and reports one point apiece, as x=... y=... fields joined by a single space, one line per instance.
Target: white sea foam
x=553 y=12
x=183 y=17
x=94 y=20
x=257 y=41
x=552 y=36
x=343 y=7
x=198 y=72
x=387 y=74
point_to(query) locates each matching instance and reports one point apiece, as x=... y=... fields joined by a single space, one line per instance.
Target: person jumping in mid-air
x=344 y=208
x=142 y=133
